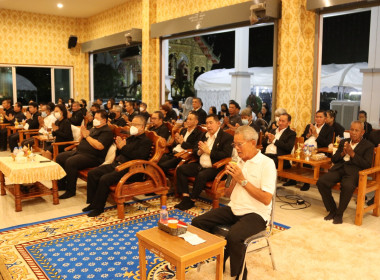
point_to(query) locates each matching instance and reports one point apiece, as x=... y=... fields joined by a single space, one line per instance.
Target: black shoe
x=338 y=219
x=330 y=216
x=88 y=208
x=371 y=201
x=305 y=187
x=95 y=212
x=61 y=188
x=66 y=195
x=185 y=204
x=150 y=194
x=289 y=183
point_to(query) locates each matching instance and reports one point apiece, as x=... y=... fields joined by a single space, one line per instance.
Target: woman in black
x=330 y=120
x=223 y=111
x=61 y=130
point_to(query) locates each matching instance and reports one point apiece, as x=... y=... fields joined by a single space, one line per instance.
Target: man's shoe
x=330 y=216
x=188 y=204
x=178 y=205
x=66 y=195
x=289 y=183
x=338 y=219
x=88 y=208
x=95 y=212
x=305 y=187
x=371 y=201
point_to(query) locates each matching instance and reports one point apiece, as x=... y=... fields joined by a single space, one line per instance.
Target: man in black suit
x=197 y=107
x=321 y=133
x=280 y=141
x=76 y=117
x=352 y=156
x=215 y=145
x=158 y=125
x=116 y=117
x=7 y=113
x=99 y=180
x=362 y=116
x=91 y=152
x=31 y=123
x=186 y=139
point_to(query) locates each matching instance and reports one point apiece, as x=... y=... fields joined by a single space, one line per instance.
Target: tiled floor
x=42 y=208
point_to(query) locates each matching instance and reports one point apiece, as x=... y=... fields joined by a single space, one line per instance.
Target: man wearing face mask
x=143 y=111
x=280 y=141
x=246 y=119
x=137 y=146
x=46 y=116
x=115 y=116
x=91 y=152
x=90 y=115
x=76 y=117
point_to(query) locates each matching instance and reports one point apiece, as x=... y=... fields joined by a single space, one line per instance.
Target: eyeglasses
x=237 y=145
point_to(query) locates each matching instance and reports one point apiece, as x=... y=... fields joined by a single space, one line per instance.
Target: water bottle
x=15 y=151
x=164 y=215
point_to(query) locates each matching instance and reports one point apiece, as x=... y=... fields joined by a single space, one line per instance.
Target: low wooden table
x=41 y=140
x=299 y=172
x=13 y=129
x=179 y=252
x=30 y=172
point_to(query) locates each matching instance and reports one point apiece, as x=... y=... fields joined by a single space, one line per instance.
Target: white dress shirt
x=205 y=159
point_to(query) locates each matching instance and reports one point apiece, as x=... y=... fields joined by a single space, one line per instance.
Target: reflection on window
x=33 y=84
x=6 y=84
x=345 y=49
x=117 y=74
x=62 y=84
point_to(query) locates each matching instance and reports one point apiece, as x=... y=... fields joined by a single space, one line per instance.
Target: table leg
x=180 y=272
x=219 y=265
x=55 y=192
x=2 y=184
x=316 y=172
x=142 y=261
x=18 y=198
x=280 y=164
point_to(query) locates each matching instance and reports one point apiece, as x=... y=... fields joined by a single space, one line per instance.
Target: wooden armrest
x=69 y=148
x=130 y=163
x=369 y=171
x=65 y=143
x=180 y=154
x=221 y=163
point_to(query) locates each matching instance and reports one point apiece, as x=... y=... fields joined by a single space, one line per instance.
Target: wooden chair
x=367 y=185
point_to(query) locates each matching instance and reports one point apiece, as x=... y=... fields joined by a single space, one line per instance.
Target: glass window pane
x=6 y=84
x=117 y=74
x=62 y=84
x=33 y=83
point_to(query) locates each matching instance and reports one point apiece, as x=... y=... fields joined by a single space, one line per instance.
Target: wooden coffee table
x=30 y=172
x=179 y=252
x=299 y=172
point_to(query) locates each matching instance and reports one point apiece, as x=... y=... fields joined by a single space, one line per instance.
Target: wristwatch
x=244 y=183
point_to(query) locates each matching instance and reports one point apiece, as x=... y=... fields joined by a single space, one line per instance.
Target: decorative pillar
x=240 y=80
x=370 y=101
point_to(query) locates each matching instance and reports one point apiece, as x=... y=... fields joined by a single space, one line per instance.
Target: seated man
x=215 y=145
x=254 y=183
x=234 y=118
x=76 y=116
x=197 y=107
x=280 y=141
x=91 y=152
x=246 y=119
x=9 y=115
x=158 y=125
x=186 y=139
x=353 y=155
x=32 y=122
x=115 y=116
x=143 y=112
x=137 y=146
x=320 y=133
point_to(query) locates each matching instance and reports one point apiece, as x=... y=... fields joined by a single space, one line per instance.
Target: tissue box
x=181 y=229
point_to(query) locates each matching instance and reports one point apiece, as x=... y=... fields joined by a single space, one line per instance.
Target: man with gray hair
x=116 y=117
x=352 y=156
x=253 y=185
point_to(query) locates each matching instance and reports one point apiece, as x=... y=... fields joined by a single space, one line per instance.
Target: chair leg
x=163 y=199
x=360 y=204
x=215 y=203
x=271 y=255
x=120 y=210
x=376 y=210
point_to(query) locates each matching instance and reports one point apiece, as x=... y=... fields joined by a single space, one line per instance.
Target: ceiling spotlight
x=60 y=5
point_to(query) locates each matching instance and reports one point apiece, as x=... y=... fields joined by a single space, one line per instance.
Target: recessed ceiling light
x=60 y=5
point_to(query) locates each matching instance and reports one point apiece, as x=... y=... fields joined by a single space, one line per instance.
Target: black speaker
x=72 y=41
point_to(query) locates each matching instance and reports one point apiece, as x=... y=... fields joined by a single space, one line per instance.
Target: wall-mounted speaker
x=72 y=41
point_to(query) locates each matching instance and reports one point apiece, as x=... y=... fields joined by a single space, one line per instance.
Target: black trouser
x=168 y=161
x=242 y=227
x=72 y=162
x=3 y=139
x=99 y=181
x=348 y=183
x=202 y=176
x=13 y=141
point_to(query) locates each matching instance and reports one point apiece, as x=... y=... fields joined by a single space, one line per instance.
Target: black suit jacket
x=192 y=140
x=374 y=137
x=33 y=121
x=137 y=147
x=77 y=118
x=222 y=147
x=284 y=144
x=361 y=160
x=325 y=136
x=202 y=115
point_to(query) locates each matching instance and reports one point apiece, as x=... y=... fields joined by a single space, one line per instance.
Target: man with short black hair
x=171 y=115
x=214 y=145
x=8 y=115
x=158 y=126
x=76 y=116
x=130 y=111
x=91 y=152
x=143 y=111
x=234 y=118
x=197 y=107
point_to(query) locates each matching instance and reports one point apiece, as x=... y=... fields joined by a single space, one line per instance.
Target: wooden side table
x=179 y=252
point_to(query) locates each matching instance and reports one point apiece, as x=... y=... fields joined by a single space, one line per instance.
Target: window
x=6 y=83
x=62 y=84
x=33 y=84
x=117 y=74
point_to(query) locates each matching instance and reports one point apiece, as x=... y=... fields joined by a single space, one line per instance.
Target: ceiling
x=71 y=8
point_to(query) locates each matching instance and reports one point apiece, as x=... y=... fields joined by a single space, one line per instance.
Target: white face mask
x=133 y=130
x=141 y=109
x=57 y=115
x=277 y=119
x=244 y=121
x=43 y=114
x=95 y=122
